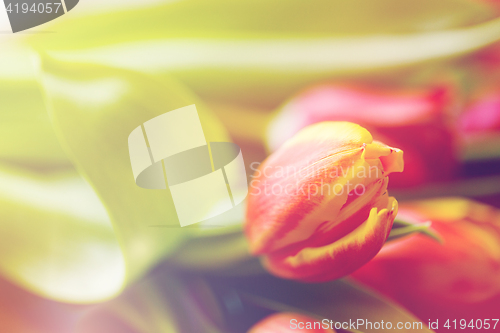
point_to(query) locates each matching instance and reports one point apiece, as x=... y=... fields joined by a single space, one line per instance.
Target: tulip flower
x=457 y=279
x=318 y=207
x=414 y=120
x=479 y=122
x=290 y=322
x=479 y=125
x=483 y=115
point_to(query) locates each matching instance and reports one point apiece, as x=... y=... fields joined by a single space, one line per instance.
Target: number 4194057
x=484 y=324
x=35 y=8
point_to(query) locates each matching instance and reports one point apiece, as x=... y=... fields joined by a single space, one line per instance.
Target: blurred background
x=77 y=253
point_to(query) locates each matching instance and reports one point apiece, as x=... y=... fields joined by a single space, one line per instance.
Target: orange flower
x=457 y=279
x=395 y=116
x=290 y=322
x=318 y=207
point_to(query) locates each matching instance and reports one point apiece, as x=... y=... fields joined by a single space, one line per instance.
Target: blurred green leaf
x=402 y=228
x=259 y=19
x=94 y=109
x=57 y=240
x=26 y=134
x=261 y=52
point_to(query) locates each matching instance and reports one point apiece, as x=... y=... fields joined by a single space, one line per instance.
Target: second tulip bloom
x=318 y=207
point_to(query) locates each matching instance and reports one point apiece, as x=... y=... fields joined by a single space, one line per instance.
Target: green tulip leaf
x=261 y=52
x=94 y=109
x=57 y=240
x=259 y=19
x=402 y=228
x=26 y=134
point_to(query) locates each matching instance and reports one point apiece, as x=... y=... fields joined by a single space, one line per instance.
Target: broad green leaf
x=56 y=238
x=261 y=52
x=259 y=19
x=26 y=135
x=94 y=109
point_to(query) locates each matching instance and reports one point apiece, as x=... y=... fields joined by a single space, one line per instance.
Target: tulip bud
x=318 y=207
x=457 y=279
x=291 y=322
x=394 y=116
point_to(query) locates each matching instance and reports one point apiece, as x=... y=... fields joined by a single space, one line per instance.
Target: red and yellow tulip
x=318 y=207
x=460 y=277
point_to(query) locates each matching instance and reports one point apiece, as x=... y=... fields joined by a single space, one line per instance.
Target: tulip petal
x=457 y=278
x=341 y=257
x=320 y=155
x=391 y=158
